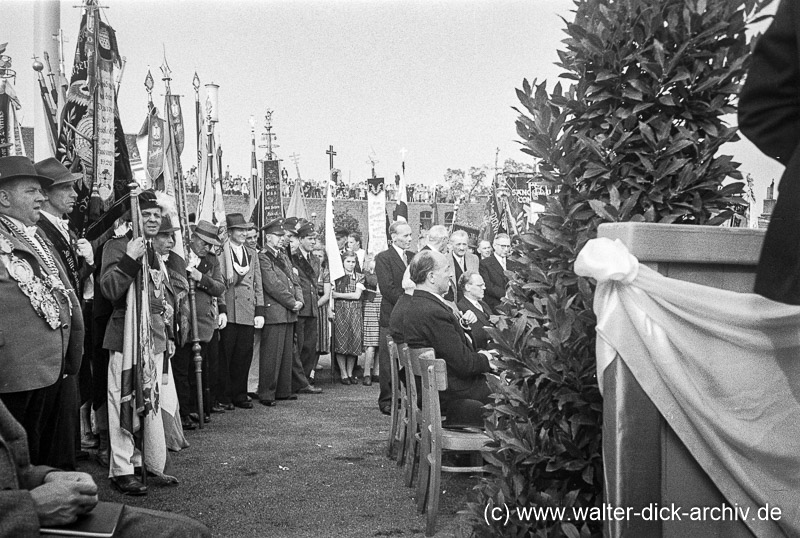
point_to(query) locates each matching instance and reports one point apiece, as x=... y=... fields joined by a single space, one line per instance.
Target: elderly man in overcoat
x=41 y=326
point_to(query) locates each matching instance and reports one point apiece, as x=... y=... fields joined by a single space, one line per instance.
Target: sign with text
x=526 y=187
x=273 y=203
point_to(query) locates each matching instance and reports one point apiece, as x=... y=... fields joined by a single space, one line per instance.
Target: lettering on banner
x=273 y=205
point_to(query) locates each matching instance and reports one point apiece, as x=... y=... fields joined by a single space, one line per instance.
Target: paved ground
x=306 y=468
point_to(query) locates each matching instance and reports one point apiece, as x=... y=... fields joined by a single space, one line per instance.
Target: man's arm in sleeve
x=118 y=272
x=212 y=281
x=390 y=290
x=273 y=285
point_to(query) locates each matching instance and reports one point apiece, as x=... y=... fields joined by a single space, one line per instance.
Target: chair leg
x=402 y=433
x=434 y=488
x=423 y=471
x=392 y=431
x=411 y=451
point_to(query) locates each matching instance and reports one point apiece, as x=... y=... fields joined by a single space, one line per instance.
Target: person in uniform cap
x=308 y=267
x=241 y=313
x=121 y=266
x=202 y=267
x=283 y=299
x=77 y=257
x=40 y=323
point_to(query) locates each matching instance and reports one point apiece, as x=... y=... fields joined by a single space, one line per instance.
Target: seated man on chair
x=32 y=497
x=435 y=325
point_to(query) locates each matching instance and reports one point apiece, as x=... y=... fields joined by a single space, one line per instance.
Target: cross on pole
x=331 y=153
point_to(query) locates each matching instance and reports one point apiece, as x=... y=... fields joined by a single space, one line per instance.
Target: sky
x=436 y=78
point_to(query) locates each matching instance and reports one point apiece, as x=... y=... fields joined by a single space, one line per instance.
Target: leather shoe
x=386 y=410
x=244 y=405
x=290 y=397
x=367 y=381
x=310 y=390
x=196 y=418
x=128 y=485
x=228 y=407
x=268 y=403
x=217 y=408
x=187 y=423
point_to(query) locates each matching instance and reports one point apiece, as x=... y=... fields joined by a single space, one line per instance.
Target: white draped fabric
x=723 y=368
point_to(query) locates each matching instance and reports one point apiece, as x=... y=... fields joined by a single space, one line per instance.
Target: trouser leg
x=385 y=397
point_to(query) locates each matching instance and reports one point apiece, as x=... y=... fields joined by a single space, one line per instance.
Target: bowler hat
x=166 y=226
x=19 y=167
x=207 y=232
x=236 y=220
x=274 y=227
x=52 y=168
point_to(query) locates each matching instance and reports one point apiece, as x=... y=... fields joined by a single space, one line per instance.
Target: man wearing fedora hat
x=77 y=257
x=241 y=312
x=203 y=268
x=39 y=305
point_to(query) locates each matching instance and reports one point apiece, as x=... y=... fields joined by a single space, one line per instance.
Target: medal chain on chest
x=45 y=256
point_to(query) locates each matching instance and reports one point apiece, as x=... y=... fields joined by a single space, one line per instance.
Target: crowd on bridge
x=265 y=311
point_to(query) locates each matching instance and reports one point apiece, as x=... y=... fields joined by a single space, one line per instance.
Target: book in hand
x=100 y=522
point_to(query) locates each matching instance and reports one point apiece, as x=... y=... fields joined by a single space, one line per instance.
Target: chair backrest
x=414 y=355
x=394 y=360
x=434 y=379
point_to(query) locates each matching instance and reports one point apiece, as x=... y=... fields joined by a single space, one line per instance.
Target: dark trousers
x=36 y=410
x=276 y=360
x=236 y=352
x=385 y=397
x=306 y=331
x=85 y=374
x=183 y=370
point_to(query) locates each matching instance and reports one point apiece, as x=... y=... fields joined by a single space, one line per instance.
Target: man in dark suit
x=78 y=259
x=769 y=116
x=35 y=496
x=434 y=325
x=461 y=260
x=493 y=270
x=472 y=288
x=202 y=267
x=389 y=268
x=308 y=268
x=42 y=332
x=283 y=299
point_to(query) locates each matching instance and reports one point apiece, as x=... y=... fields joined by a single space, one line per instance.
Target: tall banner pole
x=183 y=215
x=137 y=297
x=198 y=134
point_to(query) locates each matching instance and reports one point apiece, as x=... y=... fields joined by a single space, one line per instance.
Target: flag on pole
x=297 y=204
x=331 y=248
x=401 y=207
x=107 y=179
x=10 y=130
x=172 y=166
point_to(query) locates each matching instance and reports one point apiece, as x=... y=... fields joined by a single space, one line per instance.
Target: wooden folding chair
x=397 y=429
x=410 y=361
x=436 y=439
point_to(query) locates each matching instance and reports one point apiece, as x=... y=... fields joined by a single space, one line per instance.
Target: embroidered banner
x=376 y=216
x=272 y=201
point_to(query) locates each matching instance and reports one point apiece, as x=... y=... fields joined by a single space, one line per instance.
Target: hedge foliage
x=635 y=137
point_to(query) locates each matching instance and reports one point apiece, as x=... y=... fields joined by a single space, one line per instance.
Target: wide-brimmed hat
x=19 y=167
x=166 y=226
x=207 y=232
x=274 y=227
x=237 y=220
x=56 y=171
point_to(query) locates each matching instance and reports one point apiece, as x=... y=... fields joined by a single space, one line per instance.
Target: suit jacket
x=434 y=325
x=495 y=279
x=281 y=288
x=398 y=319
x=77 y=268
x=308 y=274
x=32 y=354
x=478 y=329
x=473 y=265
x=18 y=516
x=389 y=268
x=769 y=115
x=244 y=300
x=117 y=274
x=207 y=293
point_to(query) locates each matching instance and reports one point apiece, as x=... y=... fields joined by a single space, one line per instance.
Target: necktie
x=64 y=225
